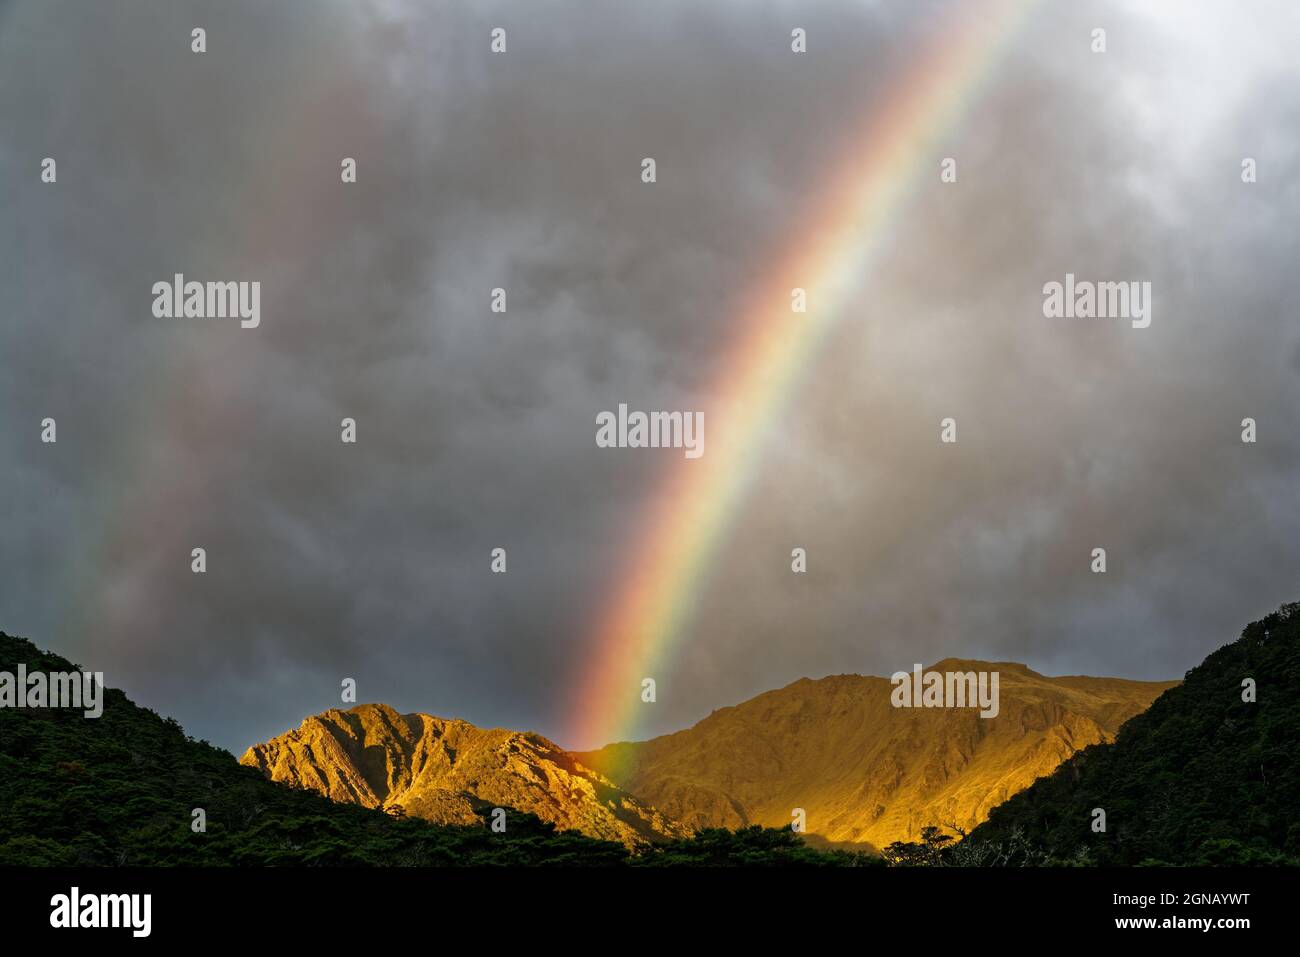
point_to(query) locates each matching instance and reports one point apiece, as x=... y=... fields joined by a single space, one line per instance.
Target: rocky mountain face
x=442 y=770
x=863 y=771
x=121 y=790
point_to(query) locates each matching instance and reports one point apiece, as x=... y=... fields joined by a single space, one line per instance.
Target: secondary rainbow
x=639 y=628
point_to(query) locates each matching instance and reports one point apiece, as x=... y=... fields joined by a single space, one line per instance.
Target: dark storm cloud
x=476 y=430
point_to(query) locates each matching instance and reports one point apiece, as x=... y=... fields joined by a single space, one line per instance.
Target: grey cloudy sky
x=477 y=430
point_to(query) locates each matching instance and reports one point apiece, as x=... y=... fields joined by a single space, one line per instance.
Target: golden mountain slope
x=443 y=770
x=864 y=771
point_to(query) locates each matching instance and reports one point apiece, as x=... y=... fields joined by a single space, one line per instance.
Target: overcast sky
x=476 y=430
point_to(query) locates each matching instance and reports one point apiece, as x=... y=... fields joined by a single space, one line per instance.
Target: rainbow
x=144 y=516
x=638 y=630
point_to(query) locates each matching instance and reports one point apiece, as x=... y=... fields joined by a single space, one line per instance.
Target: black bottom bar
x=726 y=906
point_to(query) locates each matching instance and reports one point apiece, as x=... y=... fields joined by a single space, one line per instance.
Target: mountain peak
x=862 y=770
x=447 y=770
x=975 y=664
